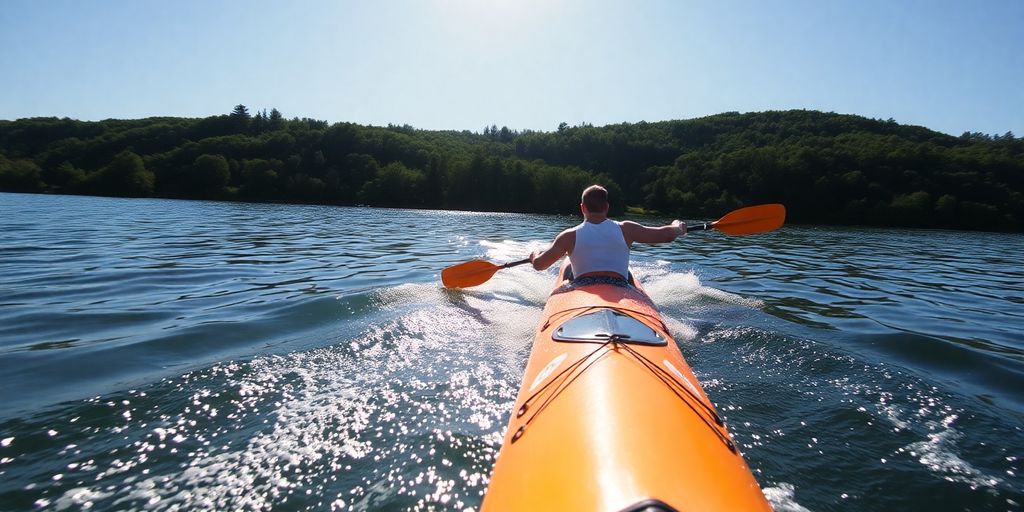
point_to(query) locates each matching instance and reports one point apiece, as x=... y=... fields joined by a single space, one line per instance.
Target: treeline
x=827 y=168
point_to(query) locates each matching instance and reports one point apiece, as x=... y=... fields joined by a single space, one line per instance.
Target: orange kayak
x=611 y=418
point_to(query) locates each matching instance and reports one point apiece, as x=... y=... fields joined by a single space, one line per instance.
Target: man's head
x=595 y=199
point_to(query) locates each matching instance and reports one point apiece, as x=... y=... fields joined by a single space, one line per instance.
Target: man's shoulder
x=573 y=229
x=629 y=225
x=631 y=231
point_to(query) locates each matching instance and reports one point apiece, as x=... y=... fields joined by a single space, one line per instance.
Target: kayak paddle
x=745 y=221
x=472 y=273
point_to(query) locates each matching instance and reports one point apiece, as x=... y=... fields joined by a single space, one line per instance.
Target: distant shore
x=826 y=168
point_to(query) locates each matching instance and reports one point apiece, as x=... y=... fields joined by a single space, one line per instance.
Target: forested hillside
x=826 y=168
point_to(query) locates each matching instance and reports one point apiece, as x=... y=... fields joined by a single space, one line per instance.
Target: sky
x=952 y=66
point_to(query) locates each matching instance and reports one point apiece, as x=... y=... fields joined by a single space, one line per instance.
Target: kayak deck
x=610 y=416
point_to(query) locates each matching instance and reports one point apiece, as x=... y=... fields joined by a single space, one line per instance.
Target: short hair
x=595 y=198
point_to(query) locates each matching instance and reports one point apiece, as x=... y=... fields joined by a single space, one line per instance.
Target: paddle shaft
x=515 y=263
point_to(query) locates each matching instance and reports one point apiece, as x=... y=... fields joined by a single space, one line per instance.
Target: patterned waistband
x=588 y=281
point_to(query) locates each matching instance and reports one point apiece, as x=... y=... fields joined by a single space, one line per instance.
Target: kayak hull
x=614 y=425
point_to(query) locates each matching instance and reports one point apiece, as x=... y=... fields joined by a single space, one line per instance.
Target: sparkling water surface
x=184 y=355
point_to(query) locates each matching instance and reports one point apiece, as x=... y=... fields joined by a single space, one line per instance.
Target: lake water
x=184 y=355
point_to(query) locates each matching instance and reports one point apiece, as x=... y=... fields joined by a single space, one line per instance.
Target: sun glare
x=492 y=17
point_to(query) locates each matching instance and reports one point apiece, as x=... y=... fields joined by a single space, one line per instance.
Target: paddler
x=599 y=246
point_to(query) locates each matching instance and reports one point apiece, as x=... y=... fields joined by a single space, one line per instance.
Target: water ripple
x=167 y=355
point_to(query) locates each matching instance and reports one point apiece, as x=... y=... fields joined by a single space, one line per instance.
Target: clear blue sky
x=951 y=66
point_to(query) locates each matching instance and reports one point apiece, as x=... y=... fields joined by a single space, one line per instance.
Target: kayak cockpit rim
x=607 y=324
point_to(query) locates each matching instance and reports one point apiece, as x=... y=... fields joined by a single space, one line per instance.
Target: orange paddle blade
x=470 y=273
x=752 y=219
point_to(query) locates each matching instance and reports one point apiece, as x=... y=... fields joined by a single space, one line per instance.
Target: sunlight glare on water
x=399 y=413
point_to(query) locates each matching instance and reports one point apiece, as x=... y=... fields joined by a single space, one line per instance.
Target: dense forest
x=826 y=168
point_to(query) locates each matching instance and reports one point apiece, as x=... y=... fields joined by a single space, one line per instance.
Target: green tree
x=260 y=122
x=240 y=118
x=259 y=180
x=240 y=112
x=946 y=208
x=911 y=209
x=358 y=169
x=306 y=188
x=208 y=175
x=276 y=120
x=64 y=177
x=395 y=185
x=125 y=175
x=20 y=176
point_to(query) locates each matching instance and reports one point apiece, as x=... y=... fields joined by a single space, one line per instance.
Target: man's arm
x=634 y=232
x=562 y=245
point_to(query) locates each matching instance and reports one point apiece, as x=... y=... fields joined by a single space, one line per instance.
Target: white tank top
x=600 y=248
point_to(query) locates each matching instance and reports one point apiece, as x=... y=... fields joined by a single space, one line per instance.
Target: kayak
x=609 y=416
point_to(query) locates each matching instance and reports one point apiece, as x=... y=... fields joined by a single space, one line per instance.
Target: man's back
x=600 y=247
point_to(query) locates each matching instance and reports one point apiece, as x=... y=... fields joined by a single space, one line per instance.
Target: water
x=179 y=355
